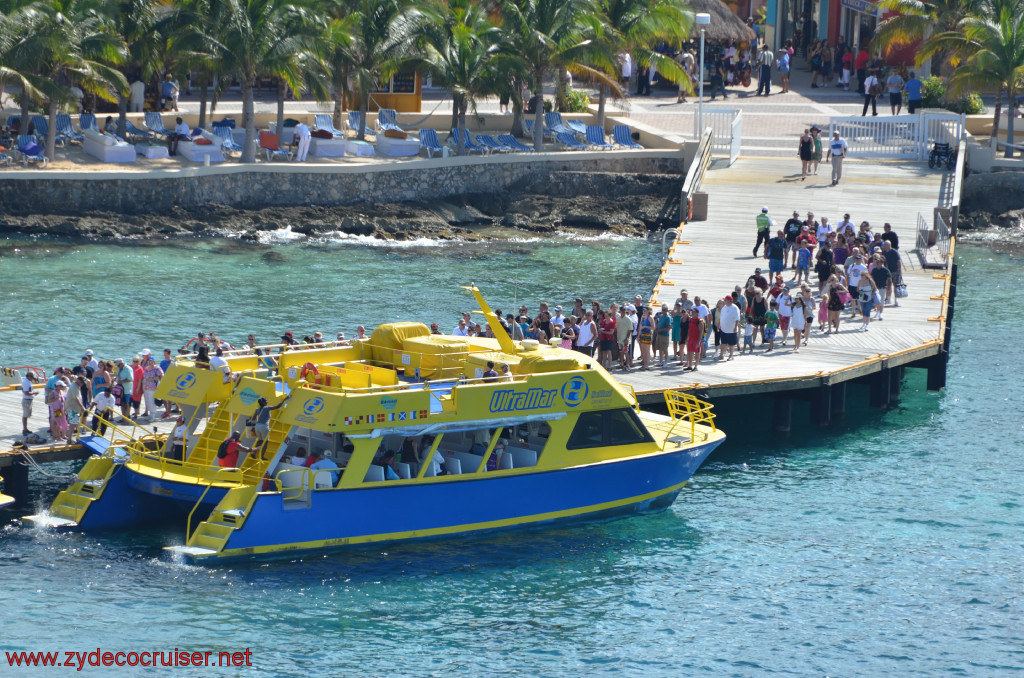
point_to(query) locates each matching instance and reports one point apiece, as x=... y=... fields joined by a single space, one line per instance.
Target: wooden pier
x=708 y=258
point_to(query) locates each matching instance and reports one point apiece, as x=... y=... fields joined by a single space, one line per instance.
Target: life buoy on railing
x=307 y=368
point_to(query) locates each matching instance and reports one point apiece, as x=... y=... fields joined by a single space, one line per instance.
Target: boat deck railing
x=688 y=409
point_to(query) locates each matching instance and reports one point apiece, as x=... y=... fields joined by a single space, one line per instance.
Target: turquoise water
x=888 y=544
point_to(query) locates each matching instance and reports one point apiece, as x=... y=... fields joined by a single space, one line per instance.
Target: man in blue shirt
x=662 y=334
x=913 y=89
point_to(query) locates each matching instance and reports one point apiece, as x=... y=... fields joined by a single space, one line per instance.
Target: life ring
x=189 y=343
x=308 y=367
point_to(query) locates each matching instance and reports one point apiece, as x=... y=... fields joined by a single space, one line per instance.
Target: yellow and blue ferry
x=414 y=436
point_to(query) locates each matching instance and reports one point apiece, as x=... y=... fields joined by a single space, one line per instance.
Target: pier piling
x=16 y=481
x=881 y=388
x=821 y=405
x=782 y=415
x=838 y=399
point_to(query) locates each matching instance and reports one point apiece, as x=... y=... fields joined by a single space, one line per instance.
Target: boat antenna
x=505 y=341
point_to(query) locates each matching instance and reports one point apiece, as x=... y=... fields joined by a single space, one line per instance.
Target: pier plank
x=712 y=256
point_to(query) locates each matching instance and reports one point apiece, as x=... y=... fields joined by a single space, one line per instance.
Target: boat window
x=610 y=427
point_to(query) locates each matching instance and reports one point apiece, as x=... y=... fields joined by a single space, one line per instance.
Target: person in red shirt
x=861 y=64
x=227 y=455
x=606 y=337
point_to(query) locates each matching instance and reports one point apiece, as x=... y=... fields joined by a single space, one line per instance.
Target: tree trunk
x=122 y=116
x=999 y=111
x=51 y=134
x=280 y=110
x=461 y=123
x=364 y=104
x=338 y=88
x=204 y=95
x=24 y=113
x=249 y=121
x=602 y=98
x=517 y=109
x=538 y=113
x=562 y=81
x=1011 y=110
x=455 y=113
x=216 y=95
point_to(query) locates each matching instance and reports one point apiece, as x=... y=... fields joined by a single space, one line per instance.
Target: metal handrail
x=686 y=408
x=695 y=173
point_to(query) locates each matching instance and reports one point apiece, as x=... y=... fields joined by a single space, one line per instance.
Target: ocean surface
x=889 y=544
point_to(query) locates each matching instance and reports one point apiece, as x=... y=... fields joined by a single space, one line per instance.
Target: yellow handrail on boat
x=686 y=408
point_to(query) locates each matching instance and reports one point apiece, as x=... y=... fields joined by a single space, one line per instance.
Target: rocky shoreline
x=622 y=204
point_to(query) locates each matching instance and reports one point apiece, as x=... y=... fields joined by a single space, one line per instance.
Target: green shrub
x=933 y=93
x=549 y=105
x=576 y=100
x=971 y=104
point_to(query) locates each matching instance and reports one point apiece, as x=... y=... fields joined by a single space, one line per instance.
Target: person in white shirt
x=824 y=228
x=558 y=319
x=785 y=313
x=94 y=364
x=461 y=330
x=102 y=406
x=136 y=96
x=181 y=132
x=871 y=91
x=855 y=271
x=302 y=138
x=729 y=326
x=27 y=394
x=178 y=440
x=837 y=149
x=218 y=363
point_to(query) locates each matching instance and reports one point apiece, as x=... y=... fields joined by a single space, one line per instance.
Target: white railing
x=726 y=125
x=936 y=234
x=901 y=136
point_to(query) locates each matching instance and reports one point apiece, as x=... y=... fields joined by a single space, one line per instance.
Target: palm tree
x=988 y=50
x=634 y=26
x=545 y=35
x=134 y=21
x=12 y=72
x=68 y=41
x=334 y=44
x=916 y=20
x=382 y=32
x=254 y=39
x=459 y=44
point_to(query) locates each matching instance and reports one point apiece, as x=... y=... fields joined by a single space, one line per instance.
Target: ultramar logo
x=310 y=409
x=531 y=399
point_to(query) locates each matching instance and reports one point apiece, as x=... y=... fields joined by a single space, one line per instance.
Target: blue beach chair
x=387 y=118
x=553 y=120
x=323 y=121
x=514 y=143
x=576 y=126
x=430 y=143
x=623 y=136
x=466 y=143
x=131 y=130
x=528 y=126
x=6 y=160
x=595 y=137
x=156 y=124
x=227 y=140
x=64 y=127
x=30 y=150
x=14 y=123
x=569 y=142
x=87 y=121
x=355 y=120
x=488 y=142
x=43 y=129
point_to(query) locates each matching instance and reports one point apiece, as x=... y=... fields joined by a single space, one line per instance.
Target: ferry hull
x=333 y=519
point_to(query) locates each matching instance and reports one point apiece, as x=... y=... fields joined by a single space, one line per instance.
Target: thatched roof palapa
x=724 y=26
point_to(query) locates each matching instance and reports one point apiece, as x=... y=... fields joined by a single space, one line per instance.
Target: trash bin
x=700 y=206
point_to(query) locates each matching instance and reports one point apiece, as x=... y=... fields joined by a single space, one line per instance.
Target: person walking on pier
x=764 y=71
x=27 y=394
x=837 y=150
x=764 y=230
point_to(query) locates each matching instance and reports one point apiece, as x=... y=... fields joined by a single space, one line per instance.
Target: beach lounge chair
x=430 y=143
x=569 y=142
x=87 y=121
x=269 y=143
x=514 y=143
x=156 y=124
x=14 y=123
x=6 y=160
x=577 y=126
x=323 y=121
x=466 y=143
x=30 y=150
x=488 y=142
x=43 y=129
x=387 y=118
x=623 y=136
x=595 y=137
x=227 y=139
x=64 y=127
x=528 y=126
x=132 y=131
x=554 y=123
x=355 y=120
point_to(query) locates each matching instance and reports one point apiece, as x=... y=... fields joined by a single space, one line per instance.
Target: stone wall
x=283 y=185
